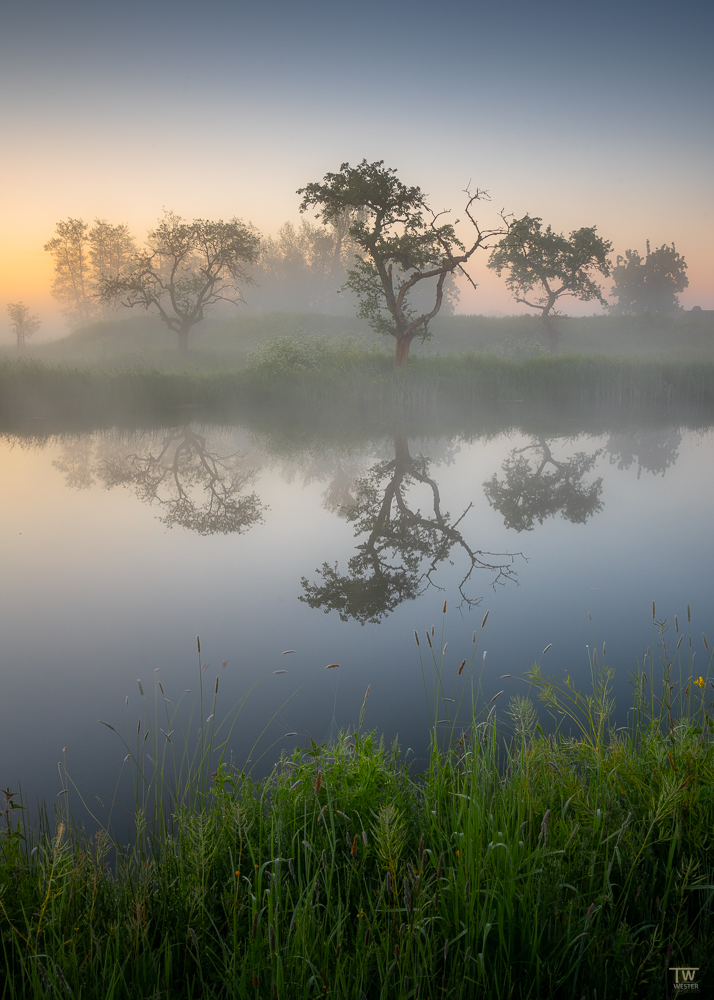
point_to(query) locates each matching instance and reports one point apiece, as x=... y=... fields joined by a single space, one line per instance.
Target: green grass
x=314 y=379
x=526 y=861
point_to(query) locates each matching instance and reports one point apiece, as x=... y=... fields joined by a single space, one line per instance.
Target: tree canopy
x=401 y=244
x=650 y=285
x=22 y=322
x=544 y=266
x=185 y=268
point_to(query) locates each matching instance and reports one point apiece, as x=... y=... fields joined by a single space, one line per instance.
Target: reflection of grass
x=315 y=378
x=577 y=863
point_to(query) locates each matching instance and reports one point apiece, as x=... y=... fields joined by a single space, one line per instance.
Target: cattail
x=432 y=631
x=485 y=618
x=126 y=701
x=284 y=652
x=411 y=873
x=706 y=644
x=168 y=735
x=463 y=664
x=198 y=643
x=161 y=688
x=444 y=609
x=254 y=929
x=679 y=641
x=331 y=666
x=138 y=727
x=496 y=696
x=473 y=639
x=146 y=735
x=271 y=939
x=594 y=657
x=215 y=690
x=128 y=757
x=416 y=637
x=689 y=615
x=676 y=624
x=428 y=639
x=653 y=610
x=141 y=687
x=546 y=649
x=503 y=676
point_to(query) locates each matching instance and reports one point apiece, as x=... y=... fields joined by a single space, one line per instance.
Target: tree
x=180 y=472
x=650 y=285
x=550 y=266
x=401 y=244
x=83 y=257
x=403 y=547
x=186 y=268
x=527 y=494
x=71 y=283
x=23 y=324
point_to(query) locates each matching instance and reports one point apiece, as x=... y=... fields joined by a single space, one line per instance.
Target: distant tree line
x=377 y=241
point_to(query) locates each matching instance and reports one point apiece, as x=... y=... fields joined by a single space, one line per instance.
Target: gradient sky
x=583 y=114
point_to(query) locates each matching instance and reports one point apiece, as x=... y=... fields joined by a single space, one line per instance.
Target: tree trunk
x=183 y=341
x=401 y=353
x=553 y=333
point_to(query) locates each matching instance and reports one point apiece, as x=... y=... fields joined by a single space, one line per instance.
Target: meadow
x=539 y=852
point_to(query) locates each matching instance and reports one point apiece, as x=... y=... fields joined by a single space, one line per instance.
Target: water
x=120 y=548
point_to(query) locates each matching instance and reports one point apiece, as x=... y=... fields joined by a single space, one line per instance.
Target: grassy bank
x=522 y=863
x=316 y=379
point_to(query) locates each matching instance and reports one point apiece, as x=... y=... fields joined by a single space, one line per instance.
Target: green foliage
x=577 y=863
x=650 y=285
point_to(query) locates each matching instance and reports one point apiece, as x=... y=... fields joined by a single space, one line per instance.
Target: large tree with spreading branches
x=186 y=268
x=544 y=266
x=402 y=245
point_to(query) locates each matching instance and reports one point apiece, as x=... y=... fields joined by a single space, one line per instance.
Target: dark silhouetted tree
x=650 y=285
x=402 y=548
x=186 y=268
x=544 y=267
x=401 y=243
x=532 y=492
x=22 y=322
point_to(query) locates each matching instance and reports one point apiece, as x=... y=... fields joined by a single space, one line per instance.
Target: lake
x=120 y=547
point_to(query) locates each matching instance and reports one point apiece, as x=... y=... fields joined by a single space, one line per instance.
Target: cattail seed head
x=706 y=644
x=653 y=610
x=141 y=687
x=444 y=609
x=485 y=618
x=676 y=624
x=216 y=687
x=463 y=664
x=689 y=615
x=594 y=657
x=138 y=727
x=416 y=637
x=428 y=639
x=198 y=643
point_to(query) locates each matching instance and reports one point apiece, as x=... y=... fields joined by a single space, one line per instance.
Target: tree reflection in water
x=182 y=473
x=532 y=492
x=403 y=547
x=653 y=450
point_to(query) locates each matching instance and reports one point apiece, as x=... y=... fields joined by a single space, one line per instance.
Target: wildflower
x=700 y=682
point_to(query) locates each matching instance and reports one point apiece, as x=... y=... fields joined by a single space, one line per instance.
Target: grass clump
x=520 y=863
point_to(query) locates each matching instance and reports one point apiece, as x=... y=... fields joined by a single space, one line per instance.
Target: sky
x=581 y=114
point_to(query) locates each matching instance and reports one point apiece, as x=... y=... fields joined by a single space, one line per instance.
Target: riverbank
x=314 y=381
x=521 y=862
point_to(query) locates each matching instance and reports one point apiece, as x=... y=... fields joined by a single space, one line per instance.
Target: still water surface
x=120 y=548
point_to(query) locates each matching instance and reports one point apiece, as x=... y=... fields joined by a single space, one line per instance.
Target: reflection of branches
x=526 y=495
x=654 y=451
x=197 y=488
x=403 y=547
